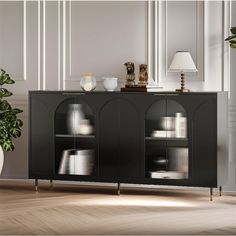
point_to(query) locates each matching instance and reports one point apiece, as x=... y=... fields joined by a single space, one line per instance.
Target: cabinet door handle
x=71 y=94
x=166 y=94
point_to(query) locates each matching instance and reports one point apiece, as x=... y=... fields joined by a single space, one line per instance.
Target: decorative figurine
x=143 y=75
x=130 y=77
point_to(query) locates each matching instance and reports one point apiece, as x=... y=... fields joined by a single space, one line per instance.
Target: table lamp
x=182 y=62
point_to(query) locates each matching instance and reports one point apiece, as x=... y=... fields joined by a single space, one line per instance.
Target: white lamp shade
x=182 y=62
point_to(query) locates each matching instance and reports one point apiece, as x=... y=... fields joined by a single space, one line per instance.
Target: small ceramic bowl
x=110 y=83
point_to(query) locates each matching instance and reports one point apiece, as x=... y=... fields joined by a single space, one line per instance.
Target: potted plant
x=10 y=124
x=232 y=38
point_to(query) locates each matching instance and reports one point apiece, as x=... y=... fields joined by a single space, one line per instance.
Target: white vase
x=180 y=126
x=1 y=159
x=74 y=117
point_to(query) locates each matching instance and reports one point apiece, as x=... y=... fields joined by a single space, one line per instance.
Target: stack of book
x=134 y=88
x=77 y=162
x=153 y=87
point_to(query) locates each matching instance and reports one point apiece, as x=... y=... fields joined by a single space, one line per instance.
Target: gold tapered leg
x=220 y=190
x=36 y=185
x=118 y=189
x=211 y=194
x=51 y=183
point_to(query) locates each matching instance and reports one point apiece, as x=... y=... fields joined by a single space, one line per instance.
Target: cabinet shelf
x=170 y=142
x=166 y=139
x=74 y=136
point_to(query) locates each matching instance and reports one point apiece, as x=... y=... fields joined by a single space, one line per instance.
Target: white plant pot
x=1 y=159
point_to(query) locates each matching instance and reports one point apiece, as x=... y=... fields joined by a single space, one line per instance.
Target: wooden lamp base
x=182 y=89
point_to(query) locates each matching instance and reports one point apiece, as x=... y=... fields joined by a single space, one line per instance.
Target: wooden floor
x=73 y=209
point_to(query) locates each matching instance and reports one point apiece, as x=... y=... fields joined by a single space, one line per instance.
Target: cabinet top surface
x=78 y=92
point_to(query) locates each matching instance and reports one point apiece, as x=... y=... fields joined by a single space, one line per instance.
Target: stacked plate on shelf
x=77 y=162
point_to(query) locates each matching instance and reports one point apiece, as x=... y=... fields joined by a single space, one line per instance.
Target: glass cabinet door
x=166 y=141
x=75 y=150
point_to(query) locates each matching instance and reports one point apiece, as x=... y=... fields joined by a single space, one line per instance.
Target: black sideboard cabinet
x=167 y=138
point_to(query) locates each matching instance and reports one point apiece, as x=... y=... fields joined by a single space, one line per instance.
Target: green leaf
x=2 y=72
x=4 y=93
x=233 y=45
x=8 y=145
x=15 y=132
x=3 y=133
x=5 y=78
x=6 y=115
x=19 y=122
x=16 y=111
x=4 y=105
x=233 y=30
x=230 y=37
x=232 y=41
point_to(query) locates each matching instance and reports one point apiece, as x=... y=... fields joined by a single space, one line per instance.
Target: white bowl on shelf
x=110 y=83
x=167 y=123
x=85 y=128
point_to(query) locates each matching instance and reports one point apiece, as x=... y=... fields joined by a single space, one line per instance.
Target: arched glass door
x=75 y=150
x=166 y=141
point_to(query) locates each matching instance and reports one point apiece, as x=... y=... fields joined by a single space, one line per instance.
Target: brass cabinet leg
x=36 y=185
x=211 y=194
x=118 y=188
x=220 y=190
x=51 y=183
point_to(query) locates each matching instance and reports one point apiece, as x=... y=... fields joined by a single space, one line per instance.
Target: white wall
x=49 y=44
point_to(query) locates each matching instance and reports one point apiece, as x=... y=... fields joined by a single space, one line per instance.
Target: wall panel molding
x=232 y=118
x=44 y=44
x=71 y=39
x=39 y=44
x=213 y=37
x=20 y=35
x=23 y=77
x=64 y=44
x=163 y=37
x=13 y=51
x=153 y=39
x=226 y=22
